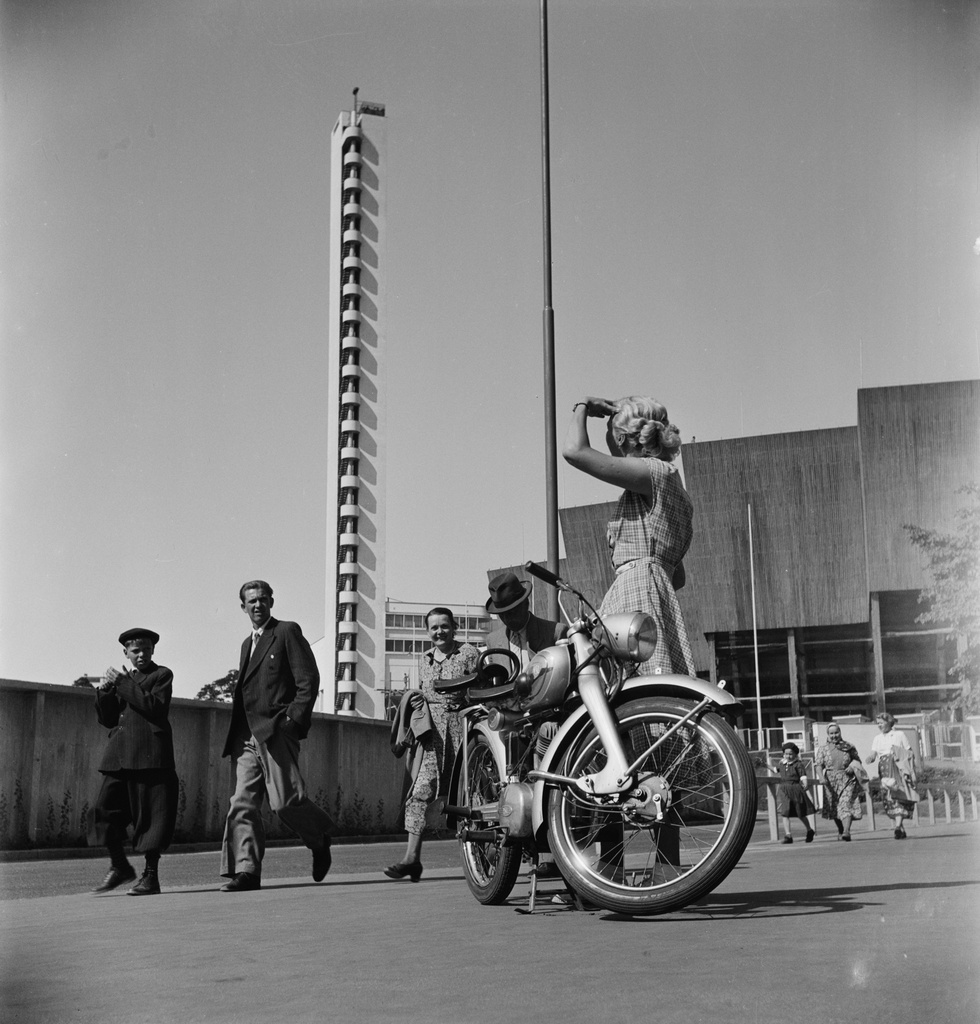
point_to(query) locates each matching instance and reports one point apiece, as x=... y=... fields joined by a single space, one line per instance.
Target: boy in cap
x=140 y=780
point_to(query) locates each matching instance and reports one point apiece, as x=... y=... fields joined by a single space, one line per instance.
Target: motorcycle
x=638 y=785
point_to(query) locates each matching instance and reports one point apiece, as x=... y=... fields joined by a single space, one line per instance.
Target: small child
x=139 y=785
x=791 y=798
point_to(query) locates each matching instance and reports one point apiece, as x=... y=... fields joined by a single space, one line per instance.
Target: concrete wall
x=52 y=744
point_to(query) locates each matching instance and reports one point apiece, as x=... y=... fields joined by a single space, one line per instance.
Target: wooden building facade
x=836 y=578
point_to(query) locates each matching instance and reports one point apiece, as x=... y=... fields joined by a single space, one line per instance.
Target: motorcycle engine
x=514 y=809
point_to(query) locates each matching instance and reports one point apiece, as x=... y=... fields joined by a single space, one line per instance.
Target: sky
x=758 y=207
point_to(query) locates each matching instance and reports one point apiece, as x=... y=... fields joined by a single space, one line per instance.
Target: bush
x=937 y=776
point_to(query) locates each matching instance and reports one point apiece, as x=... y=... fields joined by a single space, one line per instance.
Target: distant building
x=350 y=656
x=836 y=577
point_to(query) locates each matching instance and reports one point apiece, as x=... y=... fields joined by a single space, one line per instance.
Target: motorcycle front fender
x=472 y=723
x=637 y=686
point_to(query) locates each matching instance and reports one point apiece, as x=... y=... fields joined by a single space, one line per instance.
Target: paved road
x=876 y=930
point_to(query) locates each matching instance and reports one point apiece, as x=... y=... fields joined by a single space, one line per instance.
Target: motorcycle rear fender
x=480 y=726
x=637 y=686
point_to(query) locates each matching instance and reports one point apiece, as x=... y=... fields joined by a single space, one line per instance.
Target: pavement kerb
x=81 y=852
x=760 y=836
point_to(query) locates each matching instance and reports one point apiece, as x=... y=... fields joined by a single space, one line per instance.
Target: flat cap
x=138 y=633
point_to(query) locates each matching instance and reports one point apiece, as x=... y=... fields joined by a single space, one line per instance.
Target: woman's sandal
x=412 y=871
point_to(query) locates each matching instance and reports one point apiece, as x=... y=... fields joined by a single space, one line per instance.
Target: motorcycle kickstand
x=532 y=896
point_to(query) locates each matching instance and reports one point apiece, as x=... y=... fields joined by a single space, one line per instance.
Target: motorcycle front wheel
x=490 y=868
x=625 y=861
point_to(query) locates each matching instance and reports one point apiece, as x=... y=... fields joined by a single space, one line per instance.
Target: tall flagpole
x=550 y=433
x=755 y=637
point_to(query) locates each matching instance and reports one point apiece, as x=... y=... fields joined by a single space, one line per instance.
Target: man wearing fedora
x=526 y=633
x=139 y=785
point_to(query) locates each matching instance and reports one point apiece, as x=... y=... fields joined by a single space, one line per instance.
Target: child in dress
x=791 y=798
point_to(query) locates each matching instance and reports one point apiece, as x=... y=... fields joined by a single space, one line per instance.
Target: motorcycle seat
x=455 y=685
x=495 y=682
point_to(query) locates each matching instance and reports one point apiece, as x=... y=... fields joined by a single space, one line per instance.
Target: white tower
x=351 y=655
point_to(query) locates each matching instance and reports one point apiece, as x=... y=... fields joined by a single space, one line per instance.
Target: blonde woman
x=651 y=530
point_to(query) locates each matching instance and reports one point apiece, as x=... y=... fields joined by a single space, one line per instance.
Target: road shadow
x=770 y=903
x=273 y=885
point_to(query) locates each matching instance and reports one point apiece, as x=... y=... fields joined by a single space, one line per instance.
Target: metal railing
x=942 y=802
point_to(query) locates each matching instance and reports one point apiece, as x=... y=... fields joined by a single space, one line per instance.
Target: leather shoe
x=115 y=877
x=322 y=859
x=412 y=871
x=148 y=885
x=244 y=881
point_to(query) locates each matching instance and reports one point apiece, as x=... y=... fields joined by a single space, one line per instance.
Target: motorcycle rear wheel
x=630 y=864
x=490 y=869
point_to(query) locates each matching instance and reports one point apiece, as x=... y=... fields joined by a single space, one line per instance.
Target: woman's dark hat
x=506 y=592
x=138 y=633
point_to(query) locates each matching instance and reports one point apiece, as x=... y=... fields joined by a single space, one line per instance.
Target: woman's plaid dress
x=648 y=539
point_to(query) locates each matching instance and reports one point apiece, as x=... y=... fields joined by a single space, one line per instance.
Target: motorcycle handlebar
x=533 y=569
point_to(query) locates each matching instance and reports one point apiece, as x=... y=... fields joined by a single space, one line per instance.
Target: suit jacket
x=541 y=633
x=411 y=726
x=279 y=681
x=137 y=716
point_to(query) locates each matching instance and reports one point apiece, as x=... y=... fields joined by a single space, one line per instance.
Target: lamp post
x=550 y=433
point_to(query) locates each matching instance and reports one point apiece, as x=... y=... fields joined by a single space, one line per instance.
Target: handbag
x=856 y=769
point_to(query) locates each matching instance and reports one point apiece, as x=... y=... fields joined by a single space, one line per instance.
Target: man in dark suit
x=140 y=784
x=526 y=633
x=272 y=707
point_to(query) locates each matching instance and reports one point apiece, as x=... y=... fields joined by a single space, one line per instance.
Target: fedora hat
x=506 y=592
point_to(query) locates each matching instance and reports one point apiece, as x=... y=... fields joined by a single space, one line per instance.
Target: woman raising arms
x=650 y=530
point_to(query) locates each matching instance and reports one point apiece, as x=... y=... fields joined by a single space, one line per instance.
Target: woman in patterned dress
x=446 y=659
x=650 y=530
x=842 y=790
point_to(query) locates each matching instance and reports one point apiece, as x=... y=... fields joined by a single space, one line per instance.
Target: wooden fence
x=52 y=744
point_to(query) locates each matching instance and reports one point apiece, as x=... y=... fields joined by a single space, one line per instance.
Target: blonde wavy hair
x=640 y=426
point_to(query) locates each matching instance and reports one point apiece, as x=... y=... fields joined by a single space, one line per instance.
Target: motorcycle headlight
x=631 y=635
